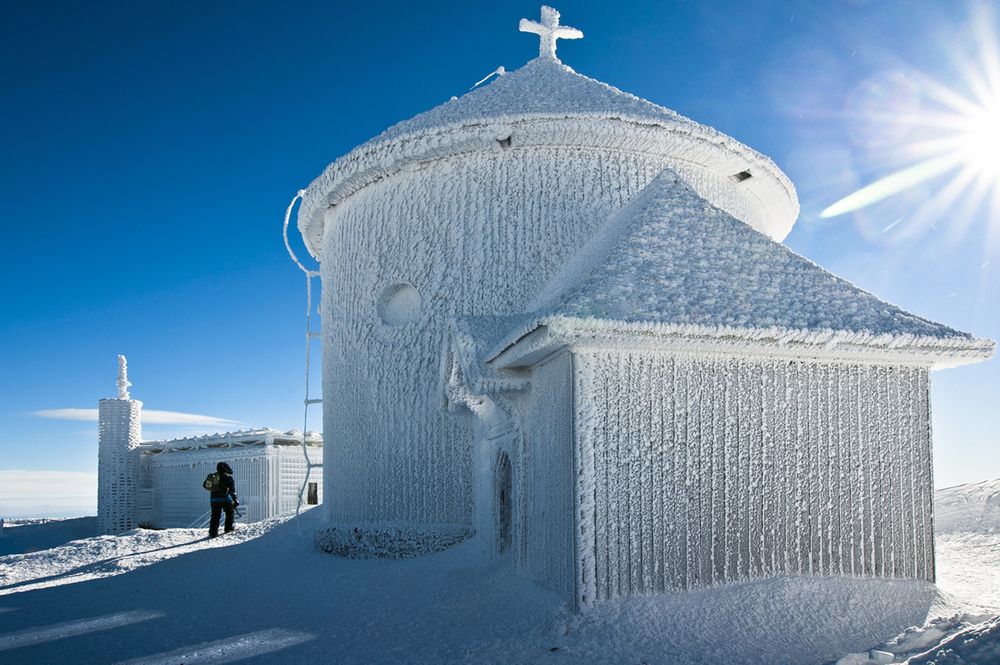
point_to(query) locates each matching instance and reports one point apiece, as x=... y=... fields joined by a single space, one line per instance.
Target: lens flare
x=954 y=137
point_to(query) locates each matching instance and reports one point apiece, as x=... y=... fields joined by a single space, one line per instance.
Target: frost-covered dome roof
x=543 y=87
x=546 y=91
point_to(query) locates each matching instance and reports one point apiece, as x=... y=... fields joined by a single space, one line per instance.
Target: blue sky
x=149 y=150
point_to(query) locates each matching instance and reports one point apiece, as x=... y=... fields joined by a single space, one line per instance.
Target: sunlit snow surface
x=264 y=595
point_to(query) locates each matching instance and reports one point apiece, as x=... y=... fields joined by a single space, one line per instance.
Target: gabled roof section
x=464 y=371
x=670 y=257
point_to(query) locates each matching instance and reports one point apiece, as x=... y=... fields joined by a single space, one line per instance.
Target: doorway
x=504 y=489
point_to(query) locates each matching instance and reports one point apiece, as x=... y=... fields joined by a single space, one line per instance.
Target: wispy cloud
x=149 y=417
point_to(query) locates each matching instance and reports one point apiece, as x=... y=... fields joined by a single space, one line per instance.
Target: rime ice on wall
x=708 y=470
x=119 y=435
x=476 y=234
x=549 y=475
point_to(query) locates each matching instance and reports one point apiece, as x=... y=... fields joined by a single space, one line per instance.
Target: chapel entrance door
x=504 y=503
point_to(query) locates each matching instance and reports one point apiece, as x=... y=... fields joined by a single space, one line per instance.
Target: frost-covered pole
x=123 y=382
x=119 y=434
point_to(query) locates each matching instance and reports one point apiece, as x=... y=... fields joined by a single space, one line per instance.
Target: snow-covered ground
x=963 y=626
x=265 y=595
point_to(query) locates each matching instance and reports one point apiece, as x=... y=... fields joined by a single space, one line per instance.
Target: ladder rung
x=312 y=335
x=314 y=401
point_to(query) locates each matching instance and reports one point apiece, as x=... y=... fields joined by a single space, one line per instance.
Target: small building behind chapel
x=269 y=468
x=158 y=484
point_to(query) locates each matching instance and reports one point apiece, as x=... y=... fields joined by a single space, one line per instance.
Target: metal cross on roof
x=548 y=31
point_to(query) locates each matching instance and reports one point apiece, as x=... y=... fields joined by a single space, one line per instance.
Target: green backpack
x=213 y=482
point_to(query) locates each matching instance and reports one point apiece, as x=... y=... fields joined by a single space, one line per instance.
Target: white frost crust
x=464 y=372
x=542 y=336
x=476 y=234
x=713 y=470
x=123 y=382
x=549 y=474
x=547 y=103
x=237 y=439
x=119 y=437
x=391 y=540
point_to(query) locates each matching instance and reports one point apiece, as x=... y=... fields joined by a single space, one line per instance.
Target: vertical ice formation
x=550 y=475
x=123 y=382
x=707 y=470
x=119 y=436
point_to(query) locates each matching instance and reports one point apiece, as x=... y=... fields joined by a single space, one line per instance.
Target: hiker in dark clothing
x=223 y=498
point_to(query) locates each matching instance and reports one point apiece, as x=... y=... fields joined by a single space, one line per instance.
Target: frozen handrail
x=284 y=233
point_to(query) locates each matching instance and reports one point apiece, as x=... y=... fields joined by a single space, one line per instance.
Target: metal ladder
x=310 y=336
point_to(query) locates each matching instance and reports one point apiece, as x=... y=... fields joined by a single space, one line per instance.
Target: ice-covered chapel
x=562 y=317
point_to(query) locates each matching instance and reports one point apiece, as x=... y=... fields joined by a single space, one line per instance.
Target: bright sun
x=956 y=134
x=979 y=143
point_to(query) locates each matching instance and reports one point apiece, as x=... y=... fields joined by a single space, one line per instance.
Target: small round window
x=399 y=304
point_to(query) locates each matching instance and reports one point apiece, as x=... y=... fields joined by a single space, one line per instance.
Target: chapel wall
x=473 y=234
x=549 y=473
x=709 y=470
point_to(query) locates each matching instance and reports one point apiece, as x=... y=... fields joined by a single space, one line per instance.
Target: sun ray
x=958 y=208
x=951 y=136
x=890 y=185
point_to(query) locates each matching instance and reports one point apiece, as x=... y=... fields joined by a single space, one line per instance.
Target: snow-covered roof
x=672 y=262
x=468 y=344
x=546 y=90
x=241 y=438
x=542 y=87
